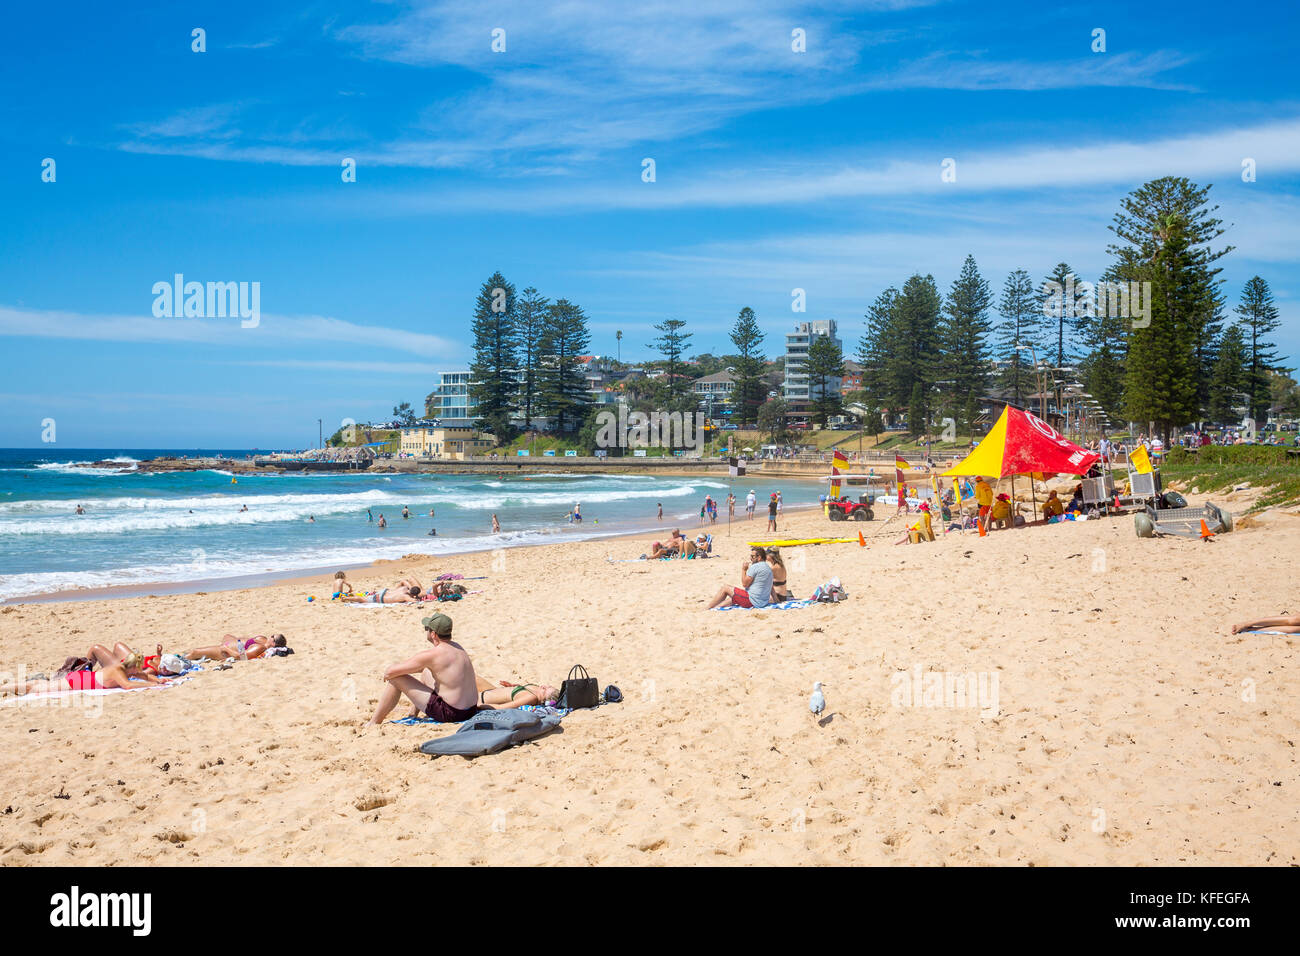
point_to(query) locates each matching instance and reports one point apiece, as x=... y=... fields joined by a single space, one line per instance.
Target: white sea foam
x=229 y=565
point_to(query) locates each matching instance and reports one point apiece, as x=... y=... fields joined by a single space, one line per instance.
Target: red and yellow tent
x=1023 y=444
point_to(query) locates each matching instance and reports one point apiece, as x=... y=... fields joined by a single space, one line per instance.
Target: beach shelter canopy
x=1020 y=443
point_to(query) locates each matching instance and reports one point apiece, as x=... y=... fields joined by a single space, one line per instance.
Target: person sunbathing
x=505 y=695
x=452 y=694
x=673 y=548
x=447 y=591
x=780 y=577
x=232 y=648
x=120 y=652
x=117 y=675
x=396 y=595
x=1284 y=625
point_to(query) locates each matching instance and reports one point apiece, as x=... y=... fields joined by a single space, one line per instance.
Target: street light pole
x=320 y=434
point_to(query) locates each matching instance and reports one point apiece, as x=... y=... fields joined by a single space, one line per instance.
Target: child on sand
x=341 y=586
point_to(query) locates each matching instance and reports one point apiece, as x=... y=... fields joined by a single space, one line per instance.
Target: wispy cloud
x=273 y=331
x=580 y=79
x=1213 y=154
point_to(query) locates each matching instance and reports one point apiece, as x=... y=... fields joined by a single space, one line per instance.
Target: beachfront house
x=434 y=439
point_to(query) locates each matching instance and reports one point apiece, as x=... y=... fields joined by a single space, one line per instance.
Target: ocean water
x=142 y=528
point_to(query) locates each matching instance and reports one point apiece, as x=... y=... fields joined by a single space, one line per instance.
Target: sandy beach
x=1128 y=726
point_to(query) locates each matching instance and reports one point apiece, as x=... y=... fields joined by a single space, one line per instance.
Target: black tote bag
x=580 y=689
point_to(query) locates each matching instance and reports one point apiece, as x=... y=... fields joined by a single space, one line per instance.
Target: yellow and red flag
x=839 y=463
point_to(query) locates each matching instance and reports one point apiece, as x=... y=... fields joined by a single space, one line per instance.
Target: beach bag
x=579 y=689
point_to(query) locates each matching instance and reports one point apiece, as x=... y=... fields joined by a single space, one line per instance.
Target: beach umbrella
x=1021 y=443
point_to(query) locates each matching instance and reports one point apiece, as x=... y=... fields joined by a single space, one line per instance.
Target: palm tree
x=619 y=336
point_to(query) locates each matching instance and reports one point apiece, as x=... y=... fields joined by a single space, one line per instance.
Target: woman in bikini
x=120 y=652
x=117 y=675
x=505 y=695
x=232 y=647
x=780 y=591
x=398 y=595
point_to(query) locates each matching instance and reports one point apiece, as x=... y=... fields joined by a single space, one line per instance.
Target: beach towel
x=782 y=606
x=101 y=692
x=541 y=709
x=1273 y=633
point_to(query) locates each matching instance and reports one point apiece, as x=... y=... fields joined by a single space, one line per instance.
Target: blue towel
x=542 y=711
x=783 y=606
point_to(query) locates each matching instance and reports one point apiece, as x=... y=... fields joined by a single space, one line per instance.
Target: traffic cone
x=1206 y=533
x=862 y=542
x=979 y=523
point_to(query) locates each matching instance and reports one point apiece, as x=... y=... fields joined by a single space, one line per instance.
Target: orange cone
x=862 y=542
x=979 y=523
x=1206 y=533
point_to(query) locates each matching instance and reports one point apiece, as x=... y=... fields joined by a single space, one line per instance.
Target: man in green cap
x=454 y=695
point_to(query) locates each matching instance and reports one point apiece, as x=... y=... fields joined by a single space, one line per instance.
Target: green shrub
x=1231 y=455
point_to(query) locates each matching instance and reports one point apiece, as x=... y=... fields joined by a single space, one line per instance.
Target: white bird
x=817 y=702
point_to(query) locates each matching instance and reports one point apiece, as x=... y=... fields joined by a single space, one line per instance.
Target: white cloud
x=273 y=331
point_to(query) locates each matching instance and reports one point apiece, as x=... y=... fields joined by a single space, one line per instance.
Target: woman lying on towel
x=402 y=594
x=105 y=657
x=504 y=694
x=1281 y=625
x=232 y=648
x=116 y=675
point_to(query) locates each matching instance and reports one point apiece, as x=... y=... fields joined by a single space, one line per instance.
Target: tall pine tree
x=530 y=324
x=1019 y=335
x=1229 y=379
x=1258 y=319
x=492 y=373
x=564 y=393
x=1160 y=382
x=749 y=391
x=963 y=337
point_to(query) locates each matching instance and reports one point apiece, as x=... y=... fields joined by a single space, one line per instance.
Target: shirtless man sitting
x=454 y=695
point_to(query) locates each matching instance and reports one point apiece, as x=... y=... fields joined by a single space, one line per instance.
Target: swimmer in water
x=496 y=525
x=406 y=512
x=311 y=519
x=80 y=510
x=433 y=533
x=383 y=522
x=369 y=516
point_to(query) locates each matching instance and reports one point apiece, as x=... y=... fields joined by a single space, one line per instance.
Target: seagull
x=817 y=702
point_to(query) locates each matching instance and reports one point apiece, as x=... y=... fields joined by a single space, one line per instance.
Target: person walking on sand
x=750 y=503
x=439 y=681
x=731 y=505
x=771 y=513
x=496 y=525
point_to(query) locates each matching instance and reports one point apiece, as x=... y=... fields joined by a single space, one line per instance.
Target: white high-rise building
x=798 y=391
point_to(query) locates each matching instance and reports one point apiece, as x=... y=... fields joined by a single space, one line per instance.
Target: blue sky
x=775 y=170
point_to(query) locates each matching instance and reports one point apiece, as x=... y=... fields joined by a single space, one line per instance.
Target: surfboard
x=800 y=541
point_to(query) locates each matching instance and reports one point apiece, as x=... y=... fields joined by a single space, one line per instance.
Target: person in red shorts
x=756 y=578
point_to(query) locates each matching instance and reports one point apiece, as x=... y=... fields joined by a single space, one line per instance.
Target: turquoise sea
x=144 y=528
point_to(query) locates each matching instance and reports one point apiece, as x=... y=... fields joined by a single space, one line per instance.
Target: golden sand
x=1130 y=726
